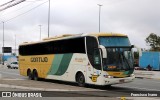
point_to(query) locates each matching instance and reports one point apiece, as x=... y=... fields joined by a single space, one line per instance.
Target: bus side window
x=96 y=57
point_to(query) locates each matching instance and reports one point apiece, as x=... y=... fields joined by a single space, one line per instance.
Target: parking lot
x=11 y=80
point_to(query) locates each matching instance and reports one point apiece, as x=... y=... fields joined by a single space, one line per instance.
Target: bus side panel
x=76 y=63
x=69 y=65
x=60 y=64
x=41 y=63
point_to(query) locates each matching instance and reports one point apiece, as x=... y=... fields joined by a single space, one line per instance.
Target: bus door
x=93 y=53
x=94 y=70
x=97 y=65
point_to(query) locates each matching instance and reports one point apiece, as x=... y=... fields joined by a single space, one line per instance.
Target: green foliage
x=154 y=41
x=136 y=55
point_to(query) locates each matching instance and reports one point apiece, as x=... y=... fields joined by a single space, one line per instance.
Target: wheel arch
x=28 y=70
x=79 y=72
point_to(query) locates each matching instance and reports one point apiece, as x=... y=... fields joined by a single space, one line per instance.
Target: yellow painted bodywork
x=41 y=67
x=116 y=74
x=106 y=34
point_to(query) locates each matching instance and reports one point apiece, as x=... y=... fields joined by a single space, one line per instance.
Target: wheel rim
x=81 y=80
x=29 y=75
x=35 y=76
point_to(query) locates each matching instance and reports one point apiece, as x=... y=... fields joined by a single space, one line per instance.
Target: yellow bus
x=98 y=59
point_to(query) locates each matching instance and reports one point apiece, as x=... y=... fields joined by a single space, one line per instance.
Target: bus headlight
x=108 y=76
x=132 y=75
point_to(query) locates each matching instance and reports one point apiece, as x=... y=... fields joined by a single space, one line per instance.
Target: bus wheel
x=35 y=75
x=29 y=74
x=108 y=86
x=80 y=79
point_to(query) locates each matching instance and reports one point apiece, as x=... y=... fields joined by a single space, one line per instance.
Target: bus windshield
x=118 y=59
x=119 y=55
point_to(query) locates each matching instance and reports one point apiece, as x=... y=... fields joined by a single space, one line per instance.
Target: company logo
x=21 y=94
x=39 y=59
x=6 y=94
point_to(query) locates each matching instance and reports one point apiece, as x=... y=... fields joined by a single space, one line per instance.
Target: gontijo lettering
x=39 y=59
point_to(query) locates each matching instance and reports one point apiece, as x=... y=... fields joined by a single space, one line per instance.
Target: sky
x=135 y=18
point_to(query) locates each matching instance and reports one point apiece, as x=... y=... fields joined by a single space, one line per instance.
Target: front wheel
x=80 y=79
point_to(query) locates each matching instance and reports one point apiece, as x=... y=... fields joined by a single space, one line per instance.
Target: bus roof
x=68 y=36
x=106 y=34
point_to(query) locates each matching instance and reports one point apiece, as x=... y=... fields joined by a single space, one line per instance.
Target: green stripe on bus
x=65 y=63
x=55 y=64
x=60 y=64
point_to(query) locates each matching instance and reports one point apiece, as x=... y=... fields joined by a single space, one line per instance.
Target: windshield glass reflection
x=118 y=59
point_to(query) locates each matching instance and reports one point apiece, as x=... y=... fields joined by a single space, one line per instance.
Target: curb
x=30 y=88
x=37 y=89
x=147 y=78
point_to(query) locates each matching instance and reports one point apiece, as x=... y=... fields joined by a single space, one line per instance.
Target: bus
x=98 y=59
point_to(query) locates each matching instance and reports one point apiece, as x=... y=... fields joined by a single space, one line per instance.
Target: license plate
x=121 y=81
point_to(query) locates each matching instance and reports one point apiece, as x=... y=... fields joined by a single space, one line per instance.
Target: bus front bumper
x=110 y=81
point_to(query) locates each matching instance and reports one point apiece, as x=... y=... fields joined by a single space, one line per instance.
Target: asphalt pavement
x=11 y=80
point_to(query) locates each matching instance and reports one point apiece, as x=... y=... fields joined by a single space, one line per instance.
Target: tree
x=136 y=55
x=154 y=41
x=136 y=59
x=158 y=43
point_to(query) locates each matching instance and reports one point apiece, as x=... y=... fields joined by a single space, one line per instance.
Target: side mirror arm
x=104 y=51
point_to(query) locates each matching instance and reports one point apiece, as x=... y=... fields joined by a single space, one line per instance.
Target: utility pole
x=99 y=17
x=40 y=31
x=48 y=18
x=3 y=44
x=15 y=44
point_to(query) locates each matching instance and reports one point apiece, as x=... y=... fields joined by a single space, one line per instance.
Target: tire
x=29 y=74
x=108 y=86
x=9 y=67
x=80 y=79
x=35 y=75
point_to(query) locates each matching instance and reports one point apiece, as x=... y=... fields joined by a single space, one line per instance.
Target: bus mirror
x=104 y=52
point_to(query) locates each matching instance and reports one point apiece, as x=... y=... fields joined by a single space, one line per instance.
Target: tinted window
x=114 y=41
x=14 y=63
x=75 y=45
x=93 y=52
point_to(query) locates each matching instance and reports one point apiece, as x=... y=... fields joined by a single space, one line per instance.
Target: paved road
x=137 y=84
x=142 y=84
x=10 y=74
x=11 y=78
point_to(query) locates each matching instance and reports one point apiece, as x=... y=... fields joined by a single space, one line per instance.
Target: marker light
x=108 y=76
